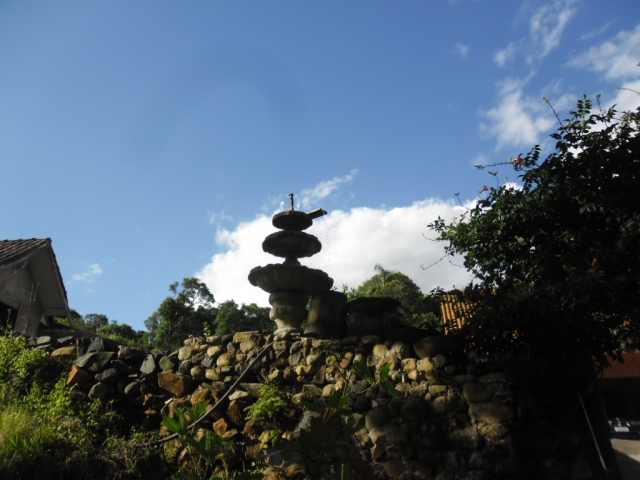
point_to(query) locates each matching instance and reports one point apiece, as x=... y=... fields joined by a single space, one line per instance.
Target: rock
x=462 y=379
x=380 y=350
x=409 y=364
x=214 y=351
x=98 y=391
x=328 y=390
x=413 y=409
x=319 y=378
x=198 y=373
x=419 y=391
x=133 y=392
x=476 y=392
x=174 y=383
x=414 y=375
x=184 y=353
x=123 y=367
x=225 y=360
x=394 y=435
x=370 y=340
x=296 y=358
x=440 y=405
x=148 y=365
x=238 y=395
x=240 y=336
x=468 y=438
x=491 y=412
x=314 y=360
x=361 y=404
x=167 y=364
x=65 y=352
x=129 y=354
x=196 y=358
x=78 y=376
x=425 y=365
x=437 y=390
x=426 y=442
x=201 y=395
x=236 y=412
x=110 y=376
x=102 y=345
x=400 y=350
x=349 y=341
x=185 y=367
x=493 y=378
x=440 y=360
x=231 y=348
x=394 y=468
x=247 y=345
x=65 y=341
x=439 y=344
x=214 y=374
x=377 y=418
x=214 y=341
x=221 y=427
x=94 y=361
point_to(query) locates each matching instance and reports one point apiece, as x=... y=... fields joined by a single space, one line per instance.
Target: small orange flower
x=484 y=189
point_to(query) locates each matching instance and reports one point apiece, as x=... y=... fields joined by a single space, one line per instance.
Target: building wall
x=16 y=288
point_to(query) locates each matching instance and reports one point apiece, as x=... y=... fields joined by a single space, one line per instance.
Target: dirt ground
x=628 y=455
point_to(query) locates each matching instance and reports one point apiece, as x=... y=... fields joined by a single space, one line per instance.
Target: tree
x=557 y=276
x=120 y=332
x=556 y=263
x=152 y=323
x=233 y=318
x=188 y=311
x=94 y=321
x=417 y=309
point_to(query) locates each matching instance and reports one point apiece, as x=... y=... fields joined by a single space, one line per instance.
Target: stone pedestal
x=327 y=314
x=289 y=310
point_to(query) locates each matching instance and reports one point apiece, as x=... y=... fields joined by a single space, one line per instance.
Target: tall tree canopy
x=557 y=263
x=417 y=309
x=188 y=311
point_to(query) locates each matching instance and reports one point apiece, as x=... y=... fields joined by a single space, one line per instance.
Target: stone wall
x=454 y=420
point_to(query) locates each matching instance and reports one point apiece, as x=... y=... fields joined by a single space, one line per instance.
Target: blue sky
x=153 y=140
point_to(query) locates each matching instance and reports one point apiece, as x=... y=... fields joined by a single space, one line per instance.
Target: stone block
x=439 y=344
x=98 y=391
x=94 y=361
x=78 y=376
x=491 y=412
x=476 y=392
x=185 y=352
x=176 y=384
x=65 y=352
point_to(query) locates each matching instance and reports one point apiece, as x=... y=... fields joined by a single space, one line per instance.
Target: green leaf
x=173 y=425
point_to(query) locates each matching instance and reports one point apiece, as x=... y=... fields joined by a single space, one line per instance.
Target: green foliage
x=381 y=379
x=417 y=310
x=268 y=404
x=556 y=263
x=233 y=318
x=206 y=450
x=185 y=313
x=45 y=434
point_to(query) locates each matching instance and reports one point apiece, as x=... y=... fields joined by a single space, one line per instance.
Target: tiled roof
x=455 y=312
x=629 y=369
x=13 y=250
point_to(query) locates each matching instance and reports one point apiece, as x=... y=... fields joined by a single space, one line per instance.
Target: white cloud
x=311 y=196
x=89 y=275
x=462 y=50
x=219 y=217
x=596 y=32
x=518 y=119
x=546 y=27
x=353 y=242
x=616 y=59
x=505 y=55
